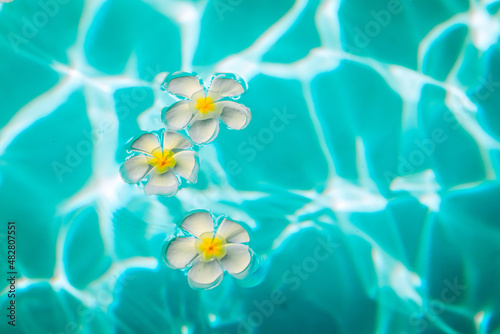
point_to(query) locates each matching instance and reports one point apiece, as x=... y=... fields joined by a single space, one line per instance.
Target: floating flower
x=160 y=163
x=201 y=109
x=209 y=252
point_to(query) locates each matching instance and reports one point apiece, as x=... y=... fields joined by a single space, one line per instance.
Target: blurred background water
x=368 y=174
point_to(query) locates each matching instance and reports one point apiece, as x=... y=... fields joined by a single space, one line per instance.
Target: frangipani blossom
x=209 y=251
x=201 y=110
x=160 y=162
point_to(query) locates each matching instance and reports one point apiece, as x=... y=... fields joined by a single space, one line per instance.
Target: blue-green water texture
x=367 y=177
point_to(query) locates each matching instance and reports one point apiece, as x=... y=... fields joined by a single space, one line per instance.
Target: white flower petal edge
x=235 y=115
x=145 y=143
x=173 y=140
x=181 y=252
x=198 y=223
x=232 y=232
x=187 y=165
x=205 y=275
x=237 y=258
x=161 y=184
x=224 y=87
x=135 y=169
x=184 y=86
x=178 y=115
x=204 y=131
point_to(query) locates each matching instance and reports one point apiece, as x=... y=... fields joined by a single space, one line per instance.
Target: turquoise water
x=367 y=176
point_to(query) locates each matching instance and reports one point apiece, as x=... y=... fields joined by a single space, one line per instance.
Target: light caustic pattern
x=368 y=174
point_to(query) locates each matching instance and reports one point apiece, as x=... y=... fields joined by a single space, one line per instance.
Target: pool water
x=367 y=176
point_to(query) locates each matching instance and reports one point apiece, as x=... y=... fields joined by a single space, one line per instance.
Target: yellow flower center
x=205 y=105
x=162 y=160
x=210 y=247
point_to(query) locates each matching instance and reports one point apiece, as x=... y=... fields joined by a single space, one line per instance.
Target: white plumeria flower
x=201 y=109
x=209 y=251
x=160 y=162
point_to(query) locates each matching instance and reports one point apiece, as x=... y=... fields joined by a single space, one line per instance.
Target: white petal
x=205 y=275
x=237 y=258
x=161 y=184
x=145 y=143
x=173 y=140
x=197 y=95
x=178 y=115
x=181 y=252
x=232 y=232
x=204 y=131
x=234 y=115
x=198 y=223
x=184 y=86
x=135 y=169
x=186 y=165
x=224 y=87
